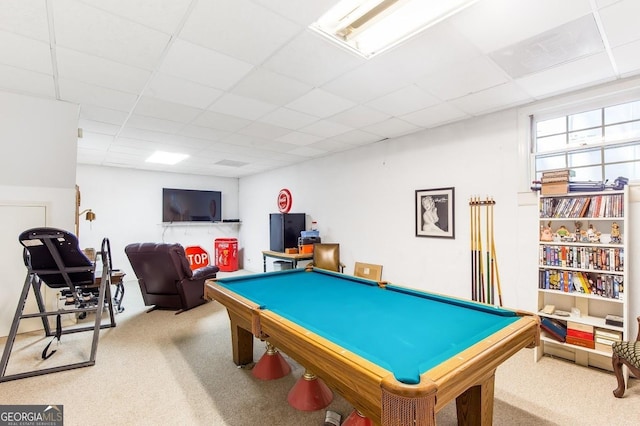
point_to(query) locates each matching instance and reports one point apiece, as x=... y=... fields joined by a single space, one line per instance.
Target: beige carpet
x=160 y=368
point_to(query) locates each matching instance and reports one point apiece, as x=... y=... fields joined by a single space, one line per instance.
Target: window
x=598 y=145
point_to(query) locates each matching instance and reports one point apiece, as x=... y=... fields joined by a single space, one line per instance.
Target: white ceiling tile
x=299 y=138
x=181 y=91
x=264 y=130
x=426 y=52
x=288 y=118
x=320 y=103
x=238 y=28
x=463 y=79
x=620 y=22
x=96 y=141
x=98 y=127
x=216 y=120
x=21 y=80
x=359 y=116
x=498 y=97
x=23 y=52
x=494 y=24
x=312 y=59
x=154 y=124
x=104 y=115
x=162 y=15
x=325 y=128
x=153 y=107
x=305 y=151
x=390 y=128
x=94 y=31
x=573 y=75
x=90 y=156
x=271 y=87
x=145 y=135
x=242 y=107
x=205 y=66
x=25 y=17
x=404 y=101
x=365 y=83
x=356 y=137
x=627 y=58
x=90 y=69
x=302 y=12
x=88 y=94
x=203 y=132
x=435 y=115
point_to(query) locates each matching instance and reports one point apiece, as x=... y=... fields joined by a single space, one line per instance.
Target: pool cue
x=473 y=248
x=490 y=233
x=480 y=259
x=488 y=229
x=495 y=264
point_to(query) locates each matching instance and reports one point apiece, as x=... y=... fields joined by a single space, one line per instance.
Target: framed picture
x=435 y=213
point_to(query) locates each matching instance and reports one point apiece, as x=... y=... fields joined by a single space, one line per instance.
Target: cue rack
x=484 y=265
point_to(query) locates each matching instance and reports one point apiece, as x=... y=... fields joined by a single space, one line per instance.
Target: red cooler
x=226 y=254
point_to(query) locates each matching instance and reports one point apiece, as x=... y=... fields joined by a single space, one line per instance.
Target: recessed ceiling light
x=369 y=27
x=162 y=157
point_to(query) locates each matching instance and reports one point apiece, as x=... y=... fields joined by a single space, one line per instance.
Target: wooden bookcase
x=584 y=250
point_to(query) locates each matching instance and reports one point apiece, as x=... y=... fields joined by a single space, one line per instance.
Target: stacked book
x=606 y=338
x=556 y=182
x=580 y=335
x=554 y=328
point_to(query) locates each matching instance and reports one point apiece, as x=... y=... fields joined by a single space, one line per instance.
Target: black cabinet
x=284 y=230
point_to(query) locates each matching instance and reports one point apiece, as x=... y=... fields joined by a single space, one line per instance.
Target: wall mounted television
x=191 y=205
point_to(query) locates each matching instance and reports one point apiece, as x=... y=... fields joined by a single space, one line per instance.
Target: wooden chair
x=368 y=270
x=627 y=353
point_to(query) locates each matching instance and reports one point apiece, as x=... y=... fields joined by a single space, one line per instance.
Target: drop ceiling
x=243 y=86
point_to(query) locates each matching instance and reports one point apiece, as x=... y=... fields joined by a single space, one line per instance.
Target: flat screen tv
x=190 y=205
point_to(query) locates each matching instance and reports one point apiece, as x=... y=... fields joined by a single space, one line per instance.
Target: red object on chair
x=309 y=393
x=271 y=366
x=356 y=418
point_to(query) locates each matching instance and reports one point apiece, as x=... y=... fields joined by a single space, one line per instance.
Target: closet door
x=15 y=219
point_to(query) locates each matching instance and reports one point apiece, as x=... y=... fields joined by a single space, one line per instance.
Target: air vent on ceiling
x=231 y=163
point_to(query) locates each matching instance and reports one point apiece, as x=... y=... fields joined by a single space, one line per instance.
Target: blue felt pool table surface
x=404 y=331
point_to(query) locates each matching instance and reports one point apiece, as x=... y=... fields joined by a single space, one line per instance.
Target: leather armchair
x=165 y=278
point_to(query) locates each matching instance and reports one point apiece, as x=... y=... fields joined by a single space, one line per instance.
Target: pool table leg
x=241 y=342
x=475 y=405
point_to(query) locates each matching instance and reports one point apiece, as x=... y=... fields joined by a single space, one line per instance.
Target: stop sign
x=198 y=257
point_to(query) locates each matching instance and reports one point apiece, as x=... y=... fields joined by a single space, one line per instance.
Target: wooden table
x=293 y=257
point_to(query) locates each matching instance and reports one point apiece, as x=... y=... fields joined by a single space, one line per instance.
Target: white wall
x=38 y=142
x=128 y=208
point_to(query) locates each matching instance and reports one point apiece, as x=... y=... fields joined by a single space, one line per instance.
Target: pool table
x=398 y=355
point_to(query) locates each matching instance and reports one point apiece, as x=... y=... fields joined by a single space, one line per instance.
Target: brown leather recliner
x=165 y=278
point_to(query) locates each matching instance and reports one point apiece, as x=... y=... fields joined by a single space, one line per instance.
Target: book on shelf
x=580 y=327
x=559 y=173
x=577 y=341
x=613 y=335
x=579 y=334
x=614 y=320
x=554 y=328
x=603 y=347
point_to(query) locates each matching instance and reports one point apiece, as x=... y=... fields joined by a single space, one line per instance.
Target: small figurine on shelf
x=564 y=234
x=546 y=234
x=592 y=234
x=580 y=235
x=615 y=233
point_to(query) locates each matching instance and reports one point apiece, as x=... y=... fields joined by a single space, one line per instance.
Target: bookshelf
x=583 y=273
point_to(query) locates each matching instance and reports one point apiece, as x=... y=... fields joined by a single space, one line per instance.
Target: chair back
x=368 y=270
x=327 y=256
x=55 y=256
x=159 y=266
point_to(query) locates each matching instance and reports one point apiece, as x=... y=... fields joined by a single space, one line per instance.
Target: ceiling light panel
x=370 y=27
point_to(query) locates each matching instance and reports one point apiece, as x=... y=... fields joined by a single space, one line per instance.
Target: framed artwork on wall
x=435 y=213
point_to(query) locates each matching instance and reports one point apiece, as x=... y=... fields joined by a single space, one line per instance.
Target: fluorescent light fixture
x=370 y=27
x=162 y=157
